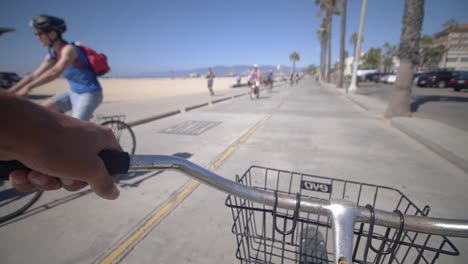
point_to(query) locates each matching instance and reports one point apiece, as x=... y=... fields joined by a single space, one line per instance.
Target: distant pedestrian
x=210 y=77
x=238 y=79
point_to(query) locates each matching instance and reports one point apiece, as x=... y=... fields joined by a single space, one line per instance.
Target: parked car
x=8 y=79
x=370 y=76
x=374 y=77
x=391 y=78
x=383 y=77
x=422 y=79
x=460 y=81
x=440 y=79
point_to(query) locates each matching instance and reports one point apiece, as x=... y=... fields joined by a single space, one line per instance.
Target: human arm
x=59 y=149
x=46 y=64
x=67 y=56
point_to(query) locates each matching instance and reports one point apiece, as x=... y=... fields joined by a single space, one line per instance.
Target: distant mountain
x=217 y=70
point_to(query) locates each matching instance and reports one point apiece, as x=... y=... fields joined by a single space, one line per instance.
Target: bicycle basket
x=272 y=235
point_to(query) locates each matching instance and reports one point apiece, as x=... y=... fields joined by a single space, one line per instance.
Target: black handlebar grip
x=116 y=162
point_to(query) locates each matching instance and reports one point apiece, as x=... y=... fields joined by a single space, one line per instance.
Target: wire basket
x=272 y=235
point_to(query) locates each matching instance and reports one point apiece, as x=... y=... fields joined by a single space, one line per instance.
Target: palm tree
x=451 y=24
x=353 y=41
x=408 y=52
x=322 y=36
x=329 y=7
x=389 y=52
x=344 y=4
x=294 y=57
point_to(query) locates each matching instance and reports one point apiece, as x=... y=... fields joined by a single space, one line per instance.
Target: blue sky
x=152 y=35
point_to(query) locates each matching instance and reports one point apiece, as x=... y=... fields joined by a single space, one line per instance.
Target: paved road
x=443 y=105
x=306 y=129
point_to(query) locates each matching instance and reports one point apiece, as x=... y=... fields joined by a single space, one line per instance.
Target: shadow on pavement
x=123 y=181
x=420 y=100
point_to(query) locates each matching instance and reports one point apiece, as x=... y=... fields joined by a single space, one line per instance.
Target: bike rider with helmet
x=254 y=79
x=85 y=93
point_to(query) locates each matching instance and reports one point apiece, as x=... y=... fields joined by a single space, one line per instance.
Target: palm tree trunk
x=324 y=57
x=329 y=46
x=409 y=46
x=342 y=44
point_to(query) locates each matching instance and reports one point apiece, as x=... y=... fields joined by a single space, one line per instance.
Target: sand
x=143 y=89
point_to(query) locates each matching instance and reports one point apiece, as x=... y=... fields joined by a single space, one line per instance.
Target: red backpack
x=97 y=61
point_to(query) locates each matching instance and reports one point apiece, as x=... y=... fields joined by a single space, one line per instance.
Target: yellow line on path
x=232 y=148
x=148 y=225
x=129 y=241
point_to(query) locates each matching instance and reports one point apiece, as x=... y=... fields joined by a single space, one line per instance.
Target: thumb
x=102 y=183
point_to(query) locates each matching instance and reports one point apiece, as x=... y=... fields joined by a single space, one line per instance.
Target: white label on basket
x=316 y=186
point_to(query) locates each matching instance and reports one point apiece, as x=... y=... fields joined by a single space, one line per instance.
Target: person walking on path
x=210 y=77
x=85 y=93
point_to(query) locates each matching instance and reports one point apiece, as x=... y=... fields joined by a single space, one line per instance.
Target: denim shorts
x=82 y=105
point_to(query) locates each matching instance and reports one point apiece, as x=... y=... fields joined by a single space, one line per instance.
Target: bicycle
x=14 y=203
x=273 y=224
x=122 y=131
x=255 y=90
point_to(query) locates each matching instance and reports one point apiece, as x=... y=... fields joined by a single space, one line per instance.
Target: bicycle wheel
x=123 y=133
x=13 y=202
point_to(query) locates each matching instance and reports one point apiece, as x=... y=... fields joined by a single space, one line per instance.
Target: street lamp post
x=352 y=87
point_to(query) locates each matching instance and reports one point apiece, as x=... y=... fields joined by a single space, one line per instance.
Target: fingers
x=43 y=182
x=19 y=180
x=27 y=181
x=103 y=184
x=73 y=185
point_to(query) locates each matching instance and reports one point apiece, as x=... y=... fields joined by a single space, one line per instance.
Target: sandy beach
x=143 y=89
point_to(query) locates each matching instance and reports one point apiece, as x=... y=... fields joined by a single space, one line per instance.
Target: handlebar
x=122 y=162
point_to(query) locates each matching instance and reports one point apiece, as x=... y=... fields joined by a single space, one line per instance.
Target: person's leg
x=59 y=103
x=85 y=104
x=210 y=87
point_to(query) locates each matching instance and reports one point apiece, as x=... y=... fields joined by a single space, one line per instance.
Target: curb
x=184 y=109
x=153 y=118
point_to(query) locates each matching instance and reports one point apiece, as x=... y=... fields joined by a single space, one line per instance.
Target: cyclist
x=85 y=93
x=255 y=78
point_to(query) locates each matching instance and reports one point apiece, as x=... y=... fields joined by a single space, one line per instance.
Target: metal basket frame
x=266 y=234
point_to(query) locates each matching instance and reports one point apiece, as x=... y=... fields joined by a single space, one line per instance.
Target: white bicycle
x=287 y=217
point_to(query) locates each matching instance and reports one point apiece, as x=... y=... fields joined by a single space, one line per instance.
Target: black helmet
x=49 y=23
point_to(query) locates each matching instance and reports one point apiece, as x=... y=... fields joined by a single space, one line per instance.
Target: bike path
x=313 y=131
x=80 y=227
x=305 y=129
